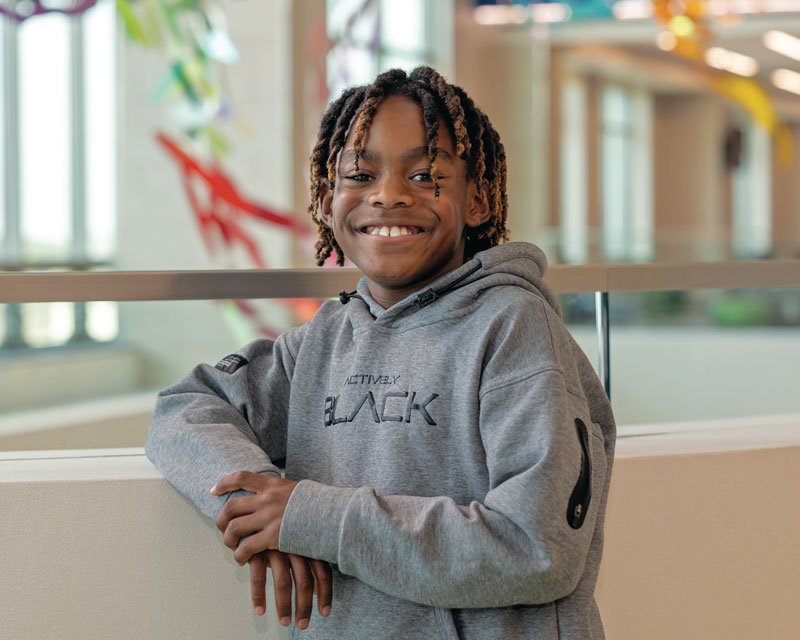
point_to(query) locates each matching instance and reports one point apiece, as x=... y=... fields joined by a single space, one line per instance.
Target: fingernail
x=326 y=610
x=260 y=611
x=213 y=489
x=285 y=621
x=302 y=624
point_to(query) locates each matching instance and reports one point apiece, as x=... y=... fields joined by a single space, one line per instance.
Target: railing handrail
x=323 y=283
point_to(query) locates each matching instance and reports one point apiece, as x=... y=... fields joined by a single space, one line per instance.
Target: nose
x=389 y=192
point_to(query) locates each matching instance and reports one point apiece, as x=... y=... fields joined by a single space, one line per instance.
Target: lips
x=391 y=231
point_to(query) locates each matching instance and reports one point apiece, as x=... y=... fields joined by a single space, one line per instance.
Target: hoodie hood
x=518 y=264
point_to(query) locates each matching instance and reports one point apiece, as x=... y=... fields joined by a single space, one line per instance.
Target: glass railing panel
x=702 y=355
x=578 y=311
x=66 y=390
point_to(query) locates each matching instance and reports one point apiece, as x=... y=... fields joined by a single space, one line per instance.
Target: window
x=626 y=173
x=574 y=225
x=58 y=185
x=752 y=193
x=371 y=36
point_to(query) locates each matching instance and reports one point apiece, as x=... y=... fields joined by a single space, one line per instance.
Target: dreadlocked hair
x=476 y=140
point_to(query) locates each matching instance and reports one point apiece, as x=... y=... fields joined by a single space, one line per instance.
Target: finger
x=246 y=480
x=303 y=590
x=238 y=528
x=282 y=584
x=323 y=585
x=256 y=543
x=234 y=508
x=258 y=583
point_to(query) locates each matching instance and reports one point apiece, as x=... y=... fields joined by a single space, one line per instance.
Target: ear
x=477 y=205
x=326 y=202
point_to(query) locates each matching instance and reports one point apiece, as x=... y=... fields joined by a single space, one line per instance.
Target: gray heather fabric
x=438 y=451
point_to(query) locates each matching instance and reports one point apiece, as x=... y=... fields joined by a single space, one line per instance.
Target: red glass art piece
x=226 y=206
x=223 y=210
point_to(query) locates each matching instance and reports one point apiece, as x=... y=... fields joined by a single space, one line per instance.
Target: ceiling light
x=719 y=7
x=683 y=26
x=786 y=80
x=666 y=40
x=743 y=7
x=551 y=12
x=779 y=6
x=783 y=43
x=500 y=14
x=632 y=9
x=726 y=60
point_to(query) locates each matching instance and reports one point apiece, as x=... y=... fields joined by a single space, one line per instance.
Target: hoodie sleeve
x=526 y=542
x=218 y=420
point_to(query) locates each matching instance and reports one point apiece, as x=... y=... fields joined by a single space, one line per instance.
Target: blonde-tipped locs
x=475 y=138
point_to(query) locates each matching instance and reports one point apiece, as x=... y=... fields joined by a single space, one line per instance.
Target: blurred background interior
x=167 y=135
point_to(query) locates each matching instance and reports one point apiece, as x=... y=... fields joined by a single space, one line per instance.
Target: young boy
x=447 y=445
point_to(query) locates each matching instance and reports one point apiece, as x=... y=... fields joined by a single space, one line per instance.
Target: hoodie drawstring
x=345 y=297
x=430 y=295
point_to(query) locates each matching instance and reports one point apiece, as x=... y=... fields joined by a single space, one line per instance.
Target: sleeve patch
x=231 y=363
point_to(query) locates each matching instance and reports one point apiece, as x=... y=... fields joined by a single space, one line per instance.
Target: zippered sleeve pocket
x=581 y=496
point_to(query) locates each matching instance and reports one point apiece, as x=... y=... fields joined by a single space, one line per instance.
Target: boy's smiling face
x=385 y=216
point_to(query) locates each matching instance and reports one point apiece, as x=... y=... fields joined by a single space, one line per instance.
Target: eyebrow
x=410 y=154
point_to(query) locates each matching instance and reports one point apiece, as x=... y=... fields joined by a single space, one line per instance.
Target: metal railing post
x=603 y=340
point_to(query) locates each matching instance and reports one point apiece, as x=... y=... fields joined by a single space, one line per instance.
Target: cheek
x=343 y=203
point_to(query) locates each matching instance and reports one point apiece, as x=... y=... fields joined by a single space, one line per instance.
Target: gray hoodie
x=454 y=454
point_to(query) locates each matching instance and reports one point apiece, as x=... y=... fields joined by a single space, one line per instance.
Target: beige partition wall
x=703 y=546
x=701 y=542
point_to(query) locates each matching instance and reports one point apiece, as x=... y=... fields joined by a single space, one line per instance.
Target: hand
x=255 y=518
x=310 y=577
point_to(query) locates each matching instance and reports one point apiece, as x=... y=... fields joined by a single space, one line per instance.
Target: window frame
x=13 y=259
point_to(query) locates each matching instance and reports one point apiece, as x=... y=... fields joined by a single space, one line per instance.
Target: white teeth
x=389 y=231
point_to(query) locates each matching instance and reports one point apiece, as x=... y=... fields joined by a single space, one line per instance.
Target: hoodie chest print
x=380 y=406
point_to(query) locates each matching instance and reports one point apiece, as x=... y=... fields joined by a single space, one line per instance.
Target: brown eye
x=358 y=177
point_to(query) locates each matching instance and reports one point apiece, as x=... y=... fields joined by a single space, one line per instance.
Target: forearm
x=196 y=439
x=216 y=421
x=430 y=550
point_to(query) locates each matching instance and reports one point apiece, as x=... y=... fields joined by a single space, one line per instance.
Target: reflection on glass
x=45 y=113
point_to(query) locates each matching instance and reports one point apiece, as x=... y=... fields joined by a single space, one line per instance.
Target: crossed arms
x=513 y=547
